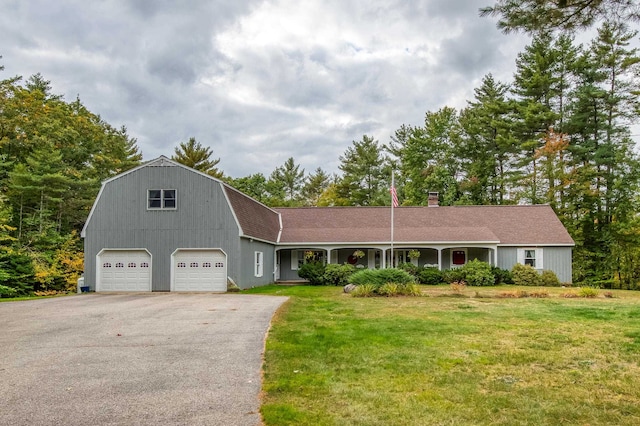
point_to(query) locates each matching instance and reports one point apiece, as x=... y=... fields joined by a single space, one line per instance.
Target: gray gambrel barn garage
x=166 y=227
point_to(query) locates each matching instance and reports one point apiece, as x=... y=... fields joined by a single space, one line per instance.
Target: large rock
x=349 y=288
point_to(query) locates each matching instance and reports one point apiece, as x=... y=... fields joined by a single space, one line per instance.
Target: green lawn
x=332 y=359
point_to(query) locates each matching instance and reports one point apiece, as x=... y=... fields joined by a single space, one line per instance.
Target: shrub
x=549 y=279
x=525 y=275
x=313 y=272
x=430 y=276
x=411 y=289
x=17 y=272
x=338 y=274
x=378 y=277
x=388 y=289
x=364 y=290
x=588 y=292
x=501 y=276
x=453 y=275
x=478 y=273
x=410 y=268
x=7 y=291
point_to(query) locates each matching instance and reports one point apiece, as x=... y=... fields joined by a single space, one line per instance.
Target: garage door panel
x=199 y=270
x=124 y=270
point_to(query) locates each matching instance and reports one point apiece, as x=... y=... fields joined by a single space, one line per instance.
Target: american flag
x=394 y=196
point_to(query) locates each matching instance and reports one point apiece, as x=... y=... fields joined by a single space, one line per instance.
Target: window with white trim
x=259 y=263
x=530 y=256
x=162 y=199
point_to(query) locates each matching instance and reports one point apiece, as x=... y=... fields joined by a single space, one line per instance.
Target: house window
x=161 y=199
x=458 y=257
x=259 y=266
x=531 y=257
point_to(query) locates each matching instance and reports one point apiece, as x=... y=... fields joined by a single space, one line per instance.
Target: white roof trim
x=280 y=230
x=83 y=233
x=233 y=212
x=395 y=243
x=537 y=245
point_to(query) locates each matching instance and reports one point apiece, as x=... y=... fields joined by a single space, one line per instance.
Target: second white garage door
x=199 y=270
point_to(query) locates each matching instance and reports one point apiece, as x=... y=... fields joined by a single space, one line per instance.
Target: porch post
x=439 y=259
x=329 y=255
x=383 y=260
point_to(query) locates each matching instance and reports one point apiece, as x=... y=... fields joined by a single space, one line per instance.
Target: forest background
x=559 y=133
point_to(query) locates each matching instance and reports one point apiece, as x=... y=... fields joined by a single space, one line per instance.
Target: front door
x=458 y=257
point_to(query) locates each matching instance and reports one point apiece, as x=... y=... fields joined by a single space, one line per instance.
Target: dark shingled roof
x=518 y=225
x=256 y=220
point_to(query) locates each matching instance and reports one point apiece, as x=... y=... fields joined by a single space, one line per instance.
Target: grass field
x=469 y=359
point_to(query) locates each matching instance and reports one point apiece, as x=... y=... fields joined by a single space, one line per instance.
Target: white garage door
x=199 y=270
x=124 y=270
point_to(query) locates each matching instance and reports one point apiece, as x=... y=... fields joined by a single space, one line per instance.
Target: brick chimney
x=433 y=199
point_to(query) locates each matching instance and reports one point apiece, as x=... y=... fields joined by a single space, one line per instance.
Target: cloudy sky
x=258 y=81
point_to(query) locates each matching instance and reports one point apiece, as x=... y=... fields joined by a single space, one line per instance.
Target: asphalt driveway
x=135 y=359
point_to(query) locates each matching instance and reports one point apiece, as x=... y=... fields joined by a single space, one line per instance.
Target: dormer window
x=162 y=199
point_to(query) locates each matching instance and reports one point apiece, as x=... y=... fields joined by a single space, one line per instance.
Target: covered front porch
x=290 y=259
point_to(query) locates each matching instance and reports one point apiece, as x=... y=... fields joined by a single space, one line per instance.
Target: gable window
x=161 y=199
x=259 y=264
x=531 y=257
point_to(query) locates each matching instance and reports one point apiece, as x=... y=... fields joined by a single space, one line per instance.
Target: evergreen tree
x=366 y=174
x=536 y=15
x=315 y=184
x=193 y=154
x=426 y=158
x=605 y=165
x=537 y=86
x=487 y=148
x=290 y=178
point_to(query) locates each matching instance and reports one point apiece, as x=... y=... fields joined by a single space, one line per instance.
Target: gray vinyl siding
x=556 y=259
x=286 y=273
x=507 y=257
x=203 y=219
x=247 y=262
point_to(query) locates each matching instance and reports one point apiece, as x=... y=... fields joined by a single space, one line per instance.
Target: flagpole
x=393 y=196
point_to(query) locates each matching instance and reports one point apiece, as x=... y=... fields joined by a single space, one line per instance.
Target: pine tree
x=487 y=147
x=193 y=154
x=366 y=174
x=316 y=183
x=427 y=160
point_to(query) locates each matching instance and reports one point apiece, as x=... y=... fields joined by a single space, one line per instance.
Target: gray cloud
x=259 y=82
